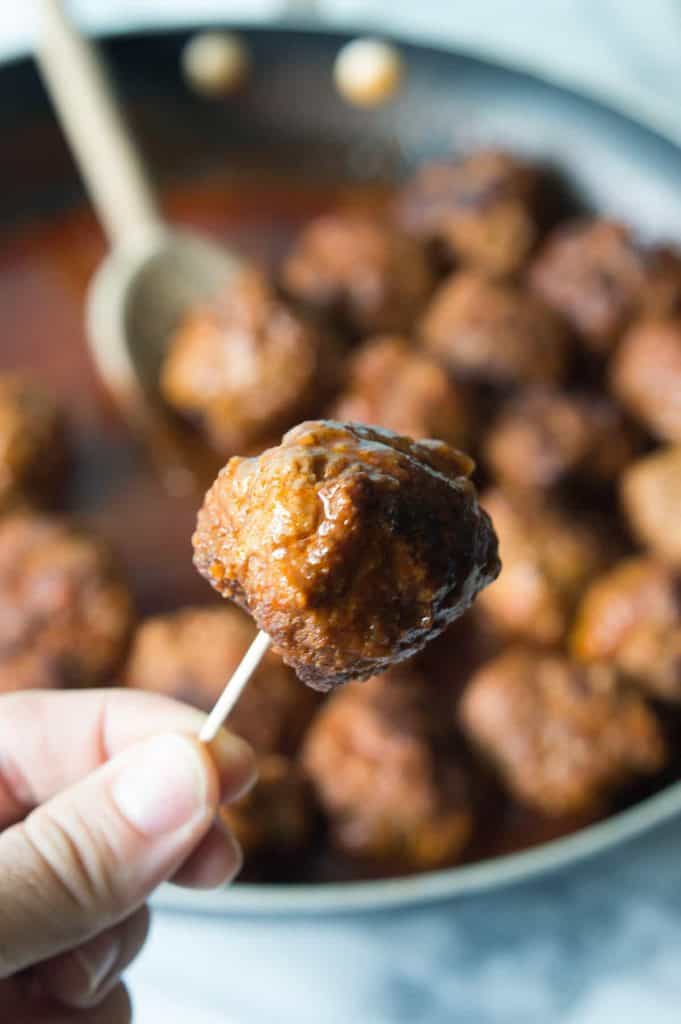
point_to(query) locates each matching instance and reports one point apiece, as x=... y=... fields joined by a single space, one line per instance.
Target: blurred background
x=596 y=944
x=607 y=46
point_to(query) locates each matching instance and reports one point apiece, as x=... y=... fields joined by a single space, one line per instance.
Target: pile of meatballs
x=473 y=311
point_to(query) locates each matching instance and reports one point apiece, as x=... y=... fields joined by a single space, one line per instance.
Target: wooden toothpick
x=234 y=687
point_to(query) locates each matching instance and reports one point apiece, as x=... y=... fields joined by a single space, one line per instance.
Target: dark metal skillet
x=290 y=118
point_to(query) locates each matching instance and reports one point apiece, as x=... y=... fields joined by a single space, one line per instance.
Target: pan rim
x=343 y=898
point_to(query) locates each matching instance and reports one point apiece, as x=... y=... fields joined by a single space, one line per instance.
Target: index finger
x=50 y=739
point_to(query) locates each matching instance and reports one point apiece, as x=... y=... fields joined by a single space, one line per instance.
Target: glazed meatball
x=394 y=790
x=646 y=376
x=548 y=556
x=190 y=655
x=393 y=385
x=33 y=446
x=544 y=438
x=65 y=612
x=562 y=735
x=363 y=273
x=351 y=547
x=631 y=617
x=483 y=210
x=248 y=366
x=494 y=333
x=600 y=278
x=277 y=816
x=651 y=494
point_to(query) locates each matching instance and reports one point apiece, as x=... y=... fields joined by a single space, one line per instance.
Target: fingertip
x=165 y=784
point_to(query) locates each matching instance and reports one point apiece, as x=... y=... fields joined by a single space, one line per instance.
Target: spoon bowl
x=136 y=300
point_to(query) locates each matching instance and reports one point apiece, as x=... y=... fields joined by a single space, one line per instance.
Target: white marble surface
x=599 y=944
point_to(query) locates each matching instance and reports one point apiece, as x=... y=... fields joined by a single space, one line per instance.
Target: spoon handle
x=93 y=123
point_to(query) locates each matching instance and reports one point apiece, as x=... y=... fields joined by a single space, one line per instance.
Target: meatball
x=631 y=617
x=393 y=385
x=248 y=366
x=646 y=376
x=65 y=612
x=360 y=271
x=600 y=278
x=651 y=494
x=190 y=655
x=494 y=333
x=483 y=210
x=277 y=816
x=548 y=556
x=543 y=438
x=351 y=547
x=450 y=660
x=393 y=788
x=563 y=736
x=33 y=445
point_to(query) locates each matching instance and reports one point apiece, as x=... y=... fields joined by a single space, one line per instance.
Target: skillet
x=290 y=121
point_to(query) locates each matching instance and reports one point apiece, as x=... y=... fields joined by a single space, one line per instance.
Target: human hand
x=104 y=794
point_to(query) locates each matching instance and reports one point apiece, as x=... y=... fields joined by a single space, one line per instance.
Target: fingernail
x=232 y=844
x=163 y=786
x=97 y=960
x=237 y=853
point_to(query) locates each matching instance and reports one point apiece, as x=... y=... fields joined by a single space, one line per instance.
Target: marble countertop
x=599 y=943
x=595 y=944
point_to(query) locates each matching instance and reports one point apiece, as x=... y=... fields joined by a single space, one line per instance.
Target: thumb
x=91 y=855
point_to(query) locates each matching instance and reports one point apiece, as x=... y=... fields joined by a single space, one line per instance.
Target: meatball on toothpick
x=351 y=547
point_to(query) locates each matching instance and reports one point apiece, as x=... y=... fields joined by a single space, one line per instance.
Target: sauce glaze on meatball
x=351 y=547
